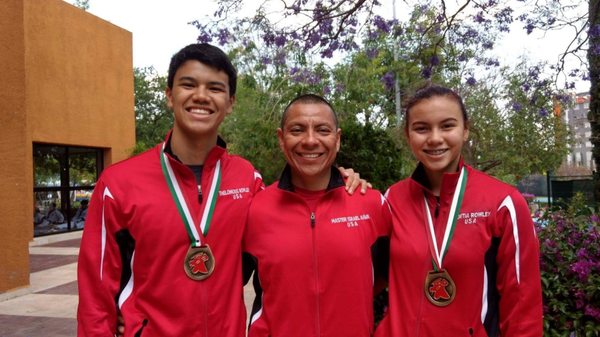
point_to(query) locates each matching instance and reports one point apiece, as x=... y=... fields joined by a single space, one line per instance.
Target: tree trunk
x=594 y=113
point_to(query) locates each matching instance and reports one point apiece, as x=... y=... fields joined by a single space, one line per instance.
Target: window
x=64 y=176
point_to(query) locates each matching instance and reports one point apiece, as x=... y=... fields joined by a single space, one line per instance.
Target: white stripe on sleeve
x=103 y=238
x=510 y=206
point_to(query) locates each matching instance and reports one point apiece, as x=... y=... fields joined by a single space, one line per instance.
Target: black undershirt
x=197 y=169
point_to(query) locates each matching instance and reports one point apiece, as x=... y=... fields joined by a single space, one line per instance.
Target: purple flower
x=471 y=33
x=388 y=80
x=372 y=35
x=269 y=38
x=372 y=53
x=280 y=40
x=488 y=45
x=582 y=269
x=550 y=243
x=528 y=196
x=529 y=28
x=471 y=81
x=582 y=253
x=296 y=8
x=223 y=36
x=594 y=31
x=492 y=63
x=479 y=18
x=585 y=77
x=279 y=59
x=516 y=106
x=543 y=112
x=265 y=60
x=327 y=53
x=381 y=24
x=313 y=39
x=564 y=98
x=592 y=311
x=205 y=37
x=434 y=60
x=426 y=73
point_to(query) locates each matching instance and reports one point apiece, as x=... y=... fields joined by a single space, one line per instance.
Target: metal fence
x=557 y=189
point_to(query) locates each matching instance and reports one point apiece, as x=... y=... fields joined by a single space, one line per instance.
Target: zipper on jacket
x=316 y=265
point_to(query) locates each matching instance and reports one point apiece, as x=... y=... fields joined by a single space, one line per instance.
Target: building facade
x=66 y=112
x=580 y=154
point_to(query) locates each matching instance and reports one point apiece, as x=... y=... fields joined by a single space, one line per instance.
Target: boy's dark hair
x=206 y=54
x=308 y=99
x=434 y=90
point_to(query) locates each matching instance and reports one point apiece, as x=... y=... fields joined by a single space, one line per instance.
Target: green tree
x=153 y=118
x=374 y=152
x=83 y=4
x=515 y=129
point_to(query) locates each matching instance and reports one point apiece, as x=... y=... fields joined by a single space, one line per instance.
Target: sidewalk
x=48 y=308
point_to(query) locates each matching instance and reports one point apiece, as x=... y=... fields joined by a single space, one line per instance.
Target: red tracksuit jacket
x=315 y=269
x=134 y=244
x=493 y=259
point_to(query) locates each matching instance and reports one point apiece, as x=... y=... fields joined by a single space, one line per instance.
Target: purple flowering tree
x=326 y=28
x=378 y=57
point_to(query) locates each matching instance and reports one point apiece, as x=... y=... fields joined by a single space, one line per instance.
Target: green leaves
x=153 y=119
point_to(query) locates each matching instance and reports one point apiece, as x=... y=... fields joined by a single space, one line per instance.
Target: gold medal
x=439 y=288
x=199 y=262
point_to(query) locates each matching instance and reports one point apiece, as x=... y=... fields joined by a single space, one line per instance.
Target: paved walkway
x=48 y=307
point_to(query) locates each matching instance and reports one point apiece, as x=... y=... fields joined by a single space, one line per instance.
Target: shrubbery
x=570 y=266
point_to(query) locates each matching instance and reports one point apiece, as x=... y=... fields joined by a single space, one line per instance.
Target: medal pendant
x=199 y=263
x=439 y=288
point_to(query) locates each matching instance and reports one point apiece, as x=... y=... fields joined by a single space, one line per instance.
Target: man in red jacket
x=311 y=240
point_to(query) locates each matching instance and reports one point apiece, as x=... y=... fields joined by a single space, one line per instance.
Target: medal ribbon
x=182 y=207
x=450 y=224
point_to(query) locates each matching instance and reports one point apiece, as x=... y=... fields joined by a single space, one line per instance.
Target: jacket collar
x=448 y=179
x=214 y=154
x=285 y=181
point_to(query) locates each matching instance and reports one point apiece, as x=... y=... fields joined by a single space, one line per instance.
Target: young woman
x=464 y=253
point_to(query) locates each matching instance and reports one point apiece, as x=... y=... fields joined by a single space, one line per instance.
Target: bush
x=570 y=266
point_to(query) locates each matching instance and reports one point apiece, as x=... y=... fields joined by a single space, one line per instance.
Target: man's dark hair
x=206 y=54
x=308 y=99
x=430 y=91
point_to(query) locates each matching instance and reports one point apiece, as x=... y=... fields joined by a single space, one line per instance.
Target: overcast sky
x=160 y=28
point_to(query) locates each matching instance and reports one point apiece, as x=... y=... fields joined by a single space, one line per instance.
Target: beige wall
x=67 y=79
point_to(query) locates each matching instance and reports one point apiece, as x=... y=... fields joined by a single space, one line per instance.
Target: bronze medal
x=439 y=288
x=199 y=263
